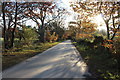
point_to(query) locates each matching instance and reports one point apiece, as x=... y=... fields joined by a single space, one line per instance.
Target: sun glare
x=100 y=22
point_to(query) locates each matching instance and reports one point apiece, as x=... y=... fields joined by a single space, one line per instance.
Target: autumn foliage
x=51 y=37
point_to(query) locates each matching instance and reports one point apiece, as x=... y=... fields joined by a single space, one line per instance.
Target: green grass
x=100 y=61
x=17 y=55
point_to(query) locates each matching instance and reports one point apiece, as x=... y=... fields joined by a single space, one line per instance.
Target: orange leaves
x=51 y=37
x=113 y=46
x=88 y=26
x=108 y=43
x=6 y=11
x=114 y=30
x=40 y=9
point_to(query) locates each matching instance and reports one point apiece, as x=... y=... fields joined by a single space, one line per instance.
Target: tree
x=57 y=27
x=51 y=36
x=37 y=11
x=84 y=26
x=108 y=10
x=9 y=10
x=82 y=30
x=4 y=23
x=12 y=14
x=13 y=32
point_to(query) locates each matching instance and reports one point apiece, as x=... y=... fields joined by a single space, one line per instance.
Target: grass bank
x=17 y=55
x=101 y=63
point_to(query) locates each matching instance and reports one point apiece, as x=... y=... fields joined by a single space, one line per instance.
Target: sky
x=100 y=22
x=66 y=4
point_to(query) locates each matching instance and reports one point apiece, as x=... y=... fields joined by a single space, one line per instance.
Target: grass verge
x=17 y=55
x=100 y=61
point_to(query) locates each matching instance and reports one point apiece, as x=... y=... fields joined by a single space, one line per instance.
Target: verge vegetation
x=103 y=62
x=17 y=55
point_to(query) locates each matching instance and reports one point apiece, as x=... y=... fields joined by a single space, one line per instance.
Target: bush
x=116 y=52
x=101 y=62
x=30 y=35
x=51 y=37
x=98 y=40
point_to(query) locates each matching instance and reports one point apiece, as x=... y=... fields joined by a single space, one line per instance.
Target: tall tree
x=12 y=13
x=84 y=24
x=110 y=13
x=4 y=23
x=37 y=11
x=15 y=24
x=56 y=23
x=108 y=10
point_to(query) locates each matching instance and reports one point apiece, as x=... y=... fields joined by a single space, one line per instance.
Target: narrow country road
x=60 y=61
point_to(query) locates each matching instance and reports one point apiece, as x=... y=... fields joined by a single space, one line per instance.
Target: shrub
x=116 y=52
x=51 y=37
x=30 y=35
x=98 y=40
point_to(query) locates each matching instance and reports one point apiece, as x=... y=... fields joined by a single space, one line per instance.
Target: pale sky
x=100 y=22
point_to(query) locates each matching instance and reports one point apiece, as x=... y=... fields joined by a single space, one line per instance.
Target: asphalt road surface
x=60 y=61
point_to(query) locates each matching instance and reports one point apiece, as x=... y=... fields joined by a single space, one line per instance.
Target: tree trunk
x=42 y=32
x=115 y=32
x=108 y=34
x=4 y=28
x=13 y=32
x=113 y=36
